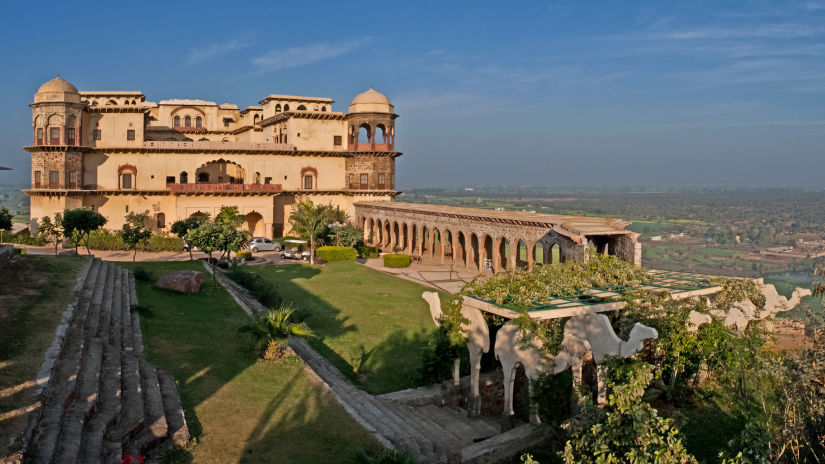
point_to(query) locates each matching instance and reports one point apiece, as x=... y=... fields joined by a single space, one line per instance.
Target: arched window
x=308 y=182
x=127 y=177
x=257 y=177
x=187 y=121
x=323 y=108
x=302 y=108
x=176 y=121
x=309 y=177
x=380 y=135
x=364 y=134
x=255 y=119
x=198 y=122
x=278 y=108
x=161 y=220
x=184 y=177
x=203 y=139
x=286 y=107
x=203 y=178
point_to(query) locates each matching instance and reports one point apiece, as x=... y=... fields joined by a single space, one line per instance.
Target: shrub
x=367 y=252
x=333 y=254
x=397 y=260
x=107 y=240
x=21 y=251
x=244 y=255
x=142 y=274
x=22 y=239
x=258 y=287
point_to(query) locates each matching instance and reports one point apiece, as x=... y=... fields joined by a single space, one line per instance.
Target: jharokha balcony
x=224 y=187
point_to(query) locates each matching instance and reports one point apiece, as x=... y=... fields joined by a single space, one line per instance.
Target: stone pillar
x=419 y=238
x=432 y=242
x=408 y=248
x=497 y=255
x=454 y=247
x=531 y=248
x=393 y=237
x=469 y=253
x=513 y=258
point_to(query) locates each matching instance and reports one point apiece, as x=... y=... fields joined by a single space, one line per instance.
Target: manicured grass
x=371 y=325
x=34 y=291
x=239 y=408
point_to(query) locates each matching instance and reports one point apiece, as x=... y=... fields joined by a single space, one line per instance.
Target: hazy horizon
x=644 y=94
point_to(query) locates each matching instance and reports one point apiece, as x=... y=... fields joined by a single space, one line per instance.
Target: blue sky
x=610 y=93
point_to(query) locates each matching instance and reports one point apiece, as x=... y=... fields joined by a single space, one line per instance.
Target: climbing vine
x=520 y=288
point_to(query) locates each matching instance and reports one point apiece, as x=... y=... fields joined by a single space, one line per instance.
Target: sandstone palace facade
x=115 y=152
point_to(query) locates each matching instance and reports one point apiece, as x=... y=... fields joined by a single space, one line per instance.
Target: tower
x=57 y=161
x=371 y=130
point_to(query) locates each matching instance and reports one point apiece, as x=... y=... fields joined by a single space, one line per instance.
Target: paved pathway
x=435 y=275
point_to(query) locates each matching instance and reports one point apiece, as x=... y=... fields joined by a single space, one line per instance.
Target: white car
x=263 y=244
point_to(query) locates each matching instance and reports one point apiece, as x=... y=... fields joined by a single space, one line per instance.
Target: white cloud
x=305 y=54
x=199 y=55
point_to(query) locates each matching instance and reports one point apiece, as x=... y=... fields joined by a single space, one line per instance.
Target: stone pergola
x=491 y=240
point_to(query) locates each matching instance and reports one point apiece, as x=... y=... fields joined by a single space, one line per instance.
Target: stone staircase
x=103 y=401
x=437 y=434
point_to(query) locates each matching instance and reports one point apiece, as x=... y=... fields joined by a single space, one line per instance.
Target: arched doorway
x=255 y=224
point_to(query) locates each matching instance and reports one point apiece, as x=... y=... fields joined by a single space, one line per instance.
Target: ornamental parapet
x=224 y=187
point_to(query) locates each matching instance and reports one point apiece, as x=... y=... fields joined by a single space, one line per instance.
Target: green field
x=239 y=408
x=372 y=326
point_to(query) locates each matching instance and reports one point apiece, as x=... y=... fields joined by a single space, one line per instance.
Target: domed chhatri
x=57 y=89
x=371 y=101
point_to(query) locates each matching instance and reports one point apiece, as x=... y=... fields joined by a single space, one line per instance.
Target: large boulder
x=181 y=281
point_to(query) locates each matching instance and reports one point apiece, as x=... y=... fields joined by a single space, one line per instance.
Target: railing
x=369 y=147
x=204 y=145
x=224 y=187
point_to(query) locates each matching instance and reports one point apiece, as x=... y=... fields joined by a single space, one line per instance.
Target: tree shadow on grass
x=303 y=411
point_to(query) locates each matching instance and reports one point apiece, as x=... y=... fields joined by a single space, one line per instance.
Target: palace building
x=115 y=152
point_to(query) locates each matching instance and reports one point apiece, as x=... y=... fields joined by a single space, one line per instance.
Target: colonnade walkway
x=491 y=241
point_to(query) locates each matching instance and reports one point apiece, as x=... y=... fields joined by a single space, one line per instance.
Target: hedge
x=245 y=255
x=22 y=239
x=367 y=252
x=107 y=240
x=332 y=254
x=397 y=260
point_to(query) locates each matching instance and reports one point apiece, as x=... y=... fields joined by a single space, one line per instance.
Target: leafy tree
x=135 y=232
x=183 y=226
x=310 y=223
x=346 y=235
x=52 y=231
x=230 y=215
x=5 y=221
x=207 y=237
x=629 y=430
x=271 y=330
x=79 y=223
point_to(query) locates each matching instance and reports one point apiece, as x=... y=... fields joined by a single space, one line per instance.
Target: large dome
x=57 y=90
x=371 y=102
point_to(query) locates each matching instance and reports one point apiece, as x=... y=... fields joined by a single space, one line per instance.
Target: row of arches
x=285 y=107
x=368 y=135
x=55 y=130
x=187 y=121
x=462 y=248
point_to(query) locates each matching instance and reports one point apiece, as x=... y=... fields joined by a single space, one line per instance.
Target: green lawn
x=239 y=408
x=34 y=292
x=371 y=325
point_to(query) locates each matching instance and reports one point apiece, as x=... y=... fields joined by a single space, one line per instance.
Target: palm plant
x=271 y=330
x=310 y=222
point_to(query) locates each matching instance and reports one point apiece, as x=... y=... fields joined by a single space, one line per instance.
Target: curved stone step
x=82 y=404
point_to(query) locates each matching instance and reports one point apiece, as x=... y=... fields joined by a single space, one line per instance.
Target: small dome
x=57 y=90
x=371 y=102
x=57 y=85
